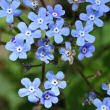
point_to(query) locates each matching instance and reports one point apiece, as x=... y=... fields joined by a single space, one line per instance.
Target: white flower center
x=40 y=20
x=91 y=17
x=54 y=82
x=68 y=53
x=9 y=11
x=42 y=54
x=56 y=30
x=54 y=14
x=47 y=96
x=98 y=2
x=81 y=33
x=103 y=107
x=19 y=49
x=34 y=3
x=84 y=50
x=31 y=89
x=28 y=33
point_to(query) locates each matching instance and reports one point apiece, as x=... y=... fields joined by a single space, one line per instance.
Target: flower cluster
x=52 y=86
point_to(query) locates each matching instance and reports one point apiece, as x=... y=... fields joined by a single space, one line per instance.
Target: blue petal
x=37 y=34
x=4 y=4
x=9 y=18
x=79 y=25
x=23 y=92
x=33 y=26
x=49 y=33
x=42 y=12
x=64 y=57
x=10 y=46
x=22 y=27
x=80 y=41
x=26 y=47
x=74 y=33
x=15 y=4
x=50 y=75
x=36 y=82
x=62 y=84
x=2 y=13
x=88 y=54
x=17 y=12
x=92 y=48
x=108 y=91
x=13 y=56
x=58 y=39
x=104 y=86
x=58 y=7
x=55 y=90
x=32 y=16
x=97 y=102
x=47 y=85
x=98 y=22
x=48 y=104
x=60 y=75
x=65 y=31
x=74 y=6
x=83 y=17
x=26 y=82
x=80 y=56
x=22 y=55
x=54 y=100
x=32 y=98
x=62 y=50
x=49 y=8
x=68 y=45
x=89 y=38
x=38 y=93
x=88 y=28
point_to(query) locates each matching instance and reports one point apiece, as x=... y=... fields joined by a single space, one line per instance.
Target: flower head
x=44 y=54
x=9 y=10
x=82 y=33
x=86 y=51
x=18 y=48
x=58 y=31
x=28 y=34
x=31 y=90
x=57 y=12
x=48 y=98
x=55 y=82
x=39 y=21
x=67 y=53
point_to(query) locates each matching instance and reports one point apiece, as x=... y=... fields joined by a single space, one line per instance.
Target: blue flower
x=44 y=54
x=48 y=98
x=68 y=53
x=86 y=51
x=46 y=43
x=106 y=87
x=75 y=3
x=92 y=17
x=57 y=30
x=39 y=21
x=82 y=34
x=27 y=34
x=31 y=3
x=55 y=82
x=57 y=12
x=18 y=49
x=105 y=105
x=99 y=5
x=31 y=90
x=10 y=10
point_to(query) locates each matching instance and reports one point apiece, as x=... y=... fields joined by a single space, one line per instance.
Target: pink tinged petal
x=26 y=82
x=48 y=104
x=37 y=34
x=89 y=38
x=2 y=13
x=22 y=27
x=10 y=46
x=58 y=39
x=97 y=102
x=13 y=56
x=17 y=12
x=81 y=56
x=62 y=85
x=54 y=100
x=88 y=54
x=15 y=4
x=9 y=18
x=60 y=75
x=22 y=55
x=36 y=82
x=79 y=25
x=32 y=98
x=47 y=85
x=55 y=90
x=23 y=92
x=80 y=41
x=32 y=16
x=65 y=31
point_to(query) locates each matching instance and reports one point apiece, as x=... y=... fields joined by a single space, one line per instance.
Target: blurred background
x=96 y=69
